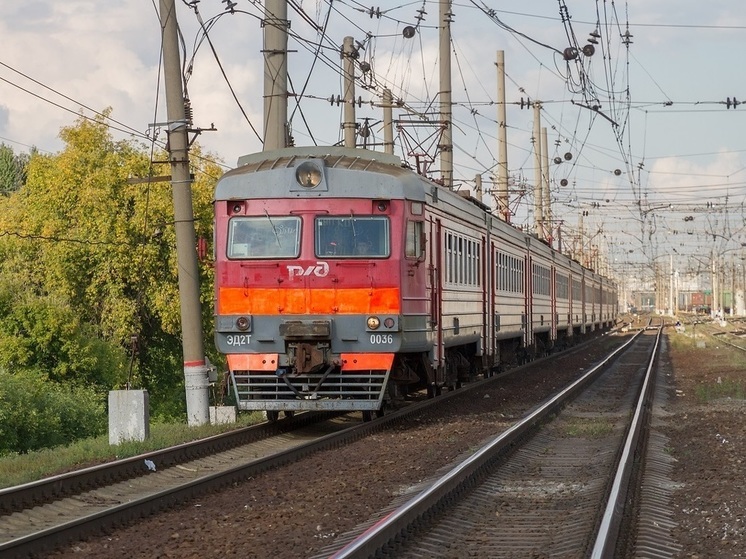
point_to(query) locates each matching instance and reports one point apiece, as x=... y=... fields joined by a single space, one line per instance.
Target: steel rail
x=390 y=528
x=606 y=537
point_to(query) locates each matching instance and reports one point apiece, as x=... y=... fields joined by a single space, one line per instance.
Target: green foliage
x=44 y=333
x=12 y=169
x=38 y=413
x=94 y=253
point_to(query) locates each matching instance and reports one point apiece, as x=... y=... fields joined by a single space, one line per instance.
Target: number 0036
x=378 y=339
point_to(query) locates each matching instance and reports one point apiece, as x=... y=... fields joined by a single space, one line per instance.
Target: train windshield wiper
x=274 y=230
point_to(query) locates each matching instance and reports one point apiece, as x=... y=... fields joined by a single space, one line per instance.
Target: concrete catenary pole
x=672 y=299
x=348 y=59
x=503 y=200
x=275 y=26
x=581 y=241
x=446 y=108
x=195 y=370
x=546 y=194
x=538 y=180
x=388 y=121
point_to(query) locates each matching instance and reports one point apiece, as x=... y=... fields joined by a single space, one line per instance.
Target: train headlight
x=243 y=323
x=389 y=322
x=373 y=323
x=308 y=175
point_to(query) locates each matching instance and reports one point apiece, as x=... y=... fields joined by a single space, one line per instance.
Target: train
x=345 y=281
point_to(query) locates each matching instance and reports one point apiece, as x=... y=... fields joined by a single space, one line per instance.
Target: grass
x=17 y=469
x=589 y=428
x=714 y=363
x=724 y=389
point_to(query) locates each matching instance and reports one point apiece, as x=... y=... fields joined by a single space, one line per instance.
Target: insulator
x=568 y=156
x=188 y=112
x=563 y=182
x=589 y=50
x=570 y=53
x=408 y=32
x=558 y=160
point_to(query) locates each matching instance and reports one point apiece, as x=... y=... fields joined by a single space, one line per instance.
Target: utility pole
x=546 y=203
x=503 y=201
x=275 y=74
x=672 y=297
x=538 y=179
x=446 y=108
x=196 y=379
x=388 y=122
x=348 y=71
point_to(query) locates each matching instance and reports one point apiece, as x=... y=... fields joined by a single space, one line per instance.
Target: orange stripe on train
x=253 y=361
x=270 y=301
x=349 y=361
x=367 y=361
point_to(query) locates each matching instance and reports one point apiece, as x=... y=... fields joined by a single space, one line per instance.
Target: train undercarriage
x=346 y=384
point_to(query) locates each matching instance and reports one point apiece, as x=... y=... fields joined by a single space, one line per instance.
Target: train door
x=570 y=303
x=553 y=303
x=435 y=288
x=583 y=304
x=528 y=304
x=493 y=316
x=487 y=354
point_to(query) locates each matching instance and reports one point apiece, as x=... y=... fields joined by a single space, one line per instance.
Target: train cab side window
x=352 y=237
x=415 y=240
x=263 y=237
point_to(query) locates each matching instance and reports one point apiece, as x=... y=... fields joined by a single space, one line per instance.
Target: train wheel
x=273 y=415
x=434 y=390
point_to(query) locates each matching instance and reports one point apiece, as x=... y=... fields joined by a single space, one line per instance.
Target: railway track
x=42 y=515
x=541 y=488
x=47 y=514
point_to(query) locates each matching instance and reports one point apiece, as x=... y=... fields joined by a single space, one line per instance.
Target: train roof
x=393 y=179
x=321 y=152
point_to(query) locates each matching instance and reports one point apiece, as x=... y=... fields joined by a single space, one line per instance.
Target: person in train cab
x=363 y=247
x=337 y=243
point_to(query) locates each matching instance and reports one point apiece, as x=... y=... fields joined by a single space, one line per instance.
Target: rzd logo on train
x=320 y=270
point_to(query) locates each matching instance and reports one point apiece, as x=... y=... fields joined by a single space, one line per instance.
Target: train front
x=308 y=294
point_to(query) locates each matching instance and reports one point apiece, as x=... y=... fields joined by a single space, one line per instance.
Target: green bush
x=37 y=413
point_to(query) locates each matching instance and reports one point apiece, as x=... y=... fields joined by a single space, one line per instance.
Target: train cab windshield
x=263 y=237
x=352 y=237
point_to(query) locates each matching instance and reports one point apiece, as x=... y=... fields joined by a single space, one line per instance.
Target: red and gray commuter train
x=345 y=280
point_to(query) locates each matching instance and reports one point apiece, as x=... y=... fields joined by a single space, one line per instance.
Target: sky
x=657 y=172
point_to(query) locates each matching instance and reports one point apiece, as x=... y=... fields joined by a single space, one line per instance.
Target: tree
x=12 y=169
x=87 y=229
